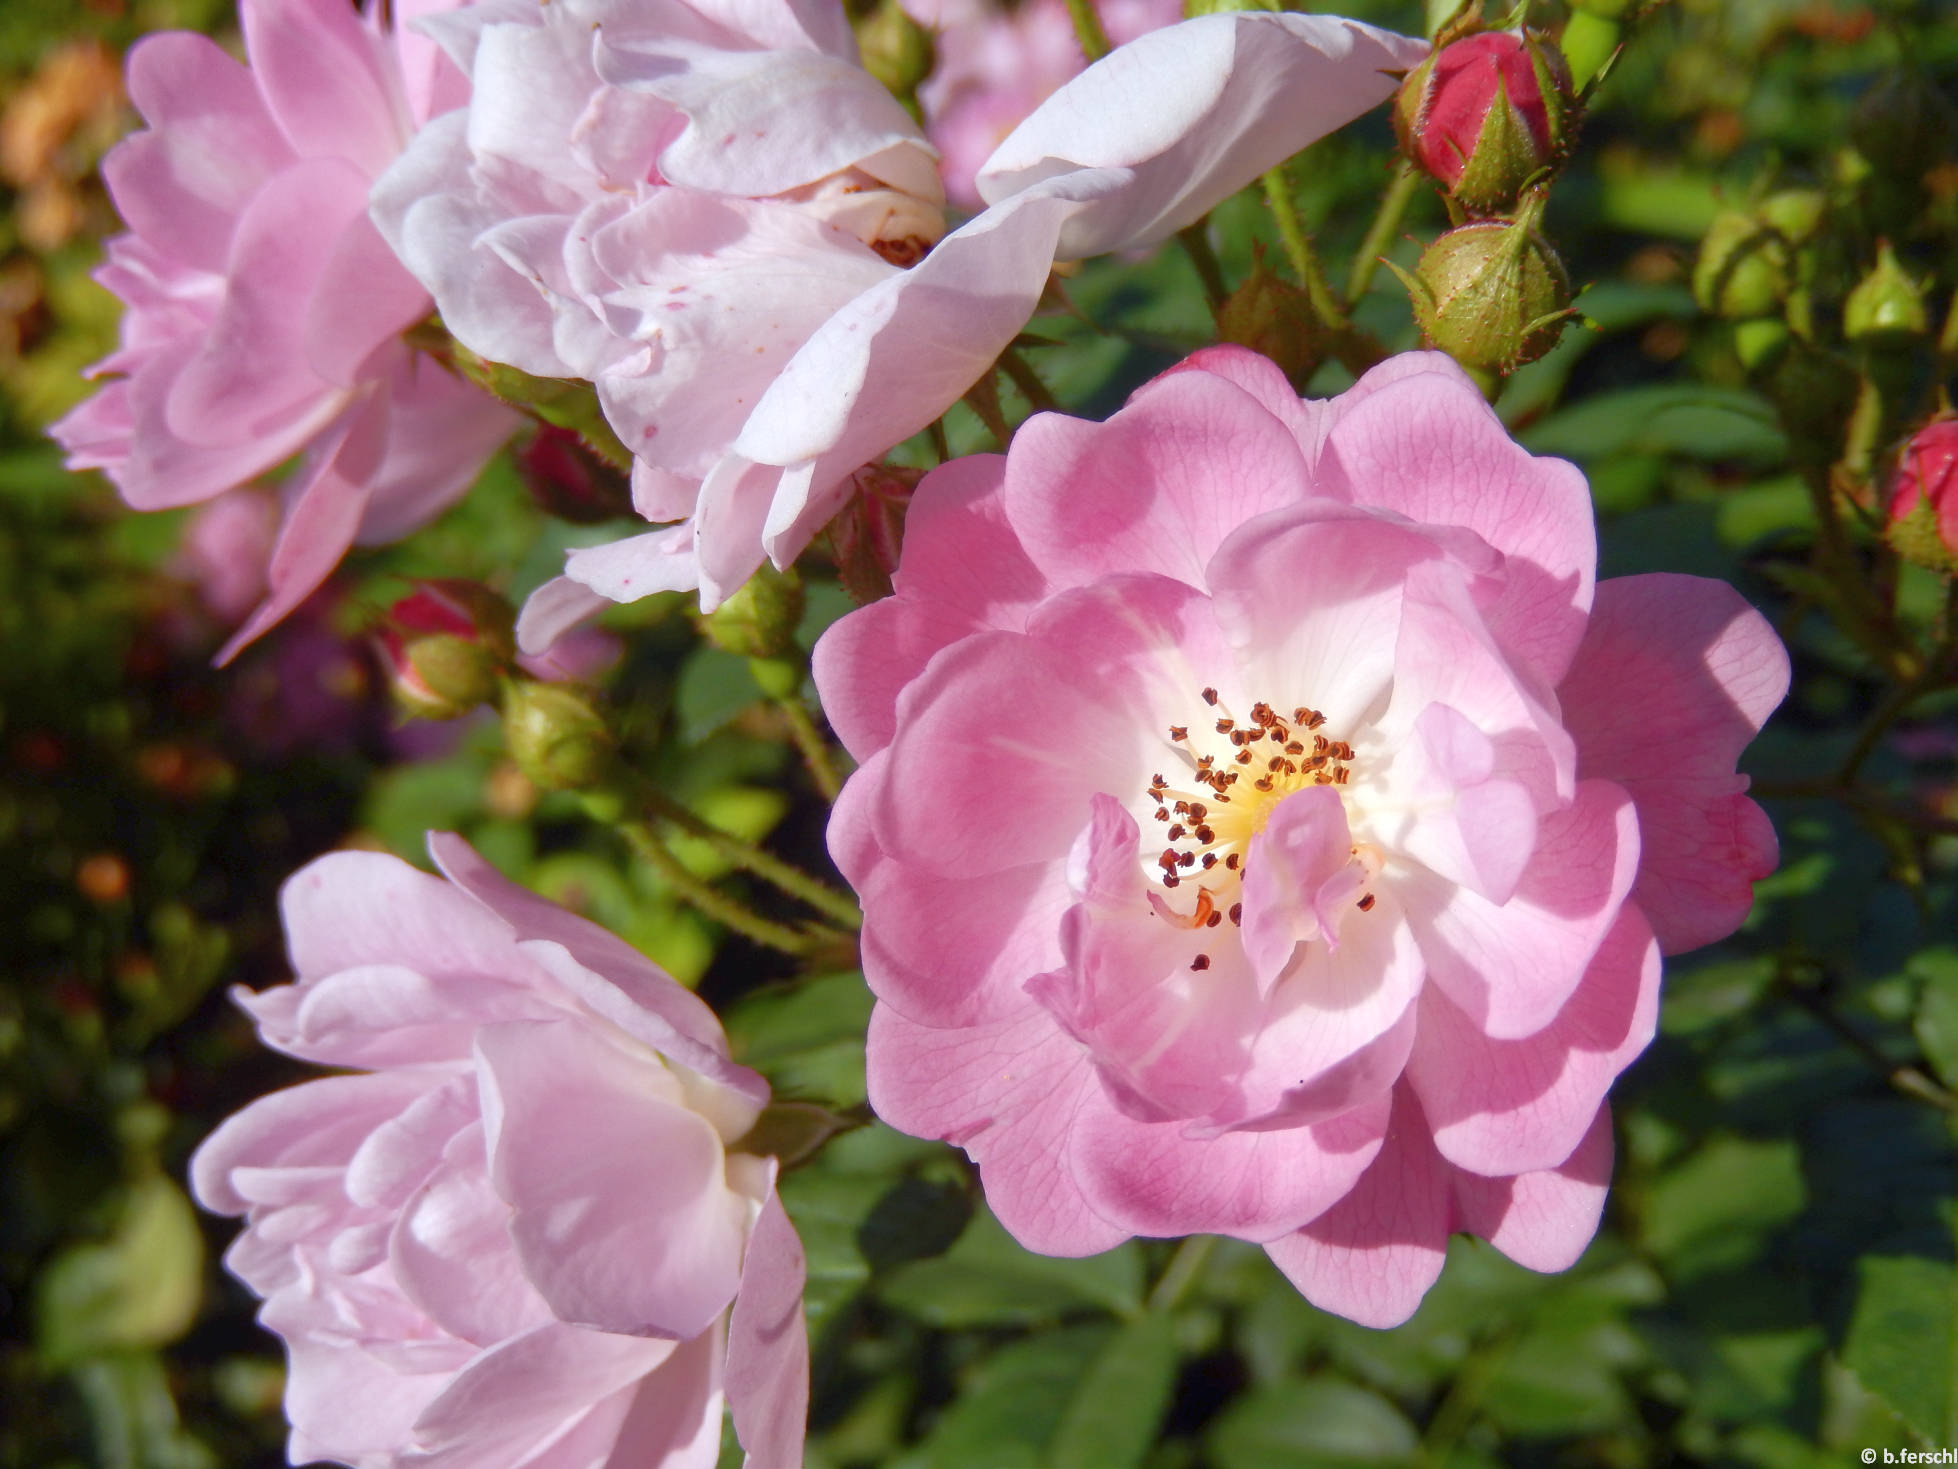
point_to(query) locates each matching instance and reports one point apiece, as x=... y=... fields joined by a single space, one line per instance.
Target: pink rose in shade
x=1137 y=146
x=1266 y=828
x=995 y=65
x=225 y=549
x=263 y=312
x=511 y=1233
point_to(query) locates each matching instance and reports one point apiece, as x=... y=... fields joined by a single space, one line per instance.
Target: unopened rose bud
x=1743 y=267
x=1887 y=306
x=1269 y=314
x=1924 y=497
x=1795 y=213
x=895 y=49
x=445 y=646
x=569 y=481
x=867 y=534
x=1491 y=294
x=555 y=737
x=759 y=619
x=1486 y=115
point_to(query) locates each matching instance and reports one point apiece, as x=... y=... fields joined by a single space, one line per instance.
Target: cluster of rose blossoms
x=1265 y=824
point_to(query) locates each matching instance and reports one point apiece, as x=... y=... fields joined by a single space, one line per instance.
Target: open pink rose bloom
x=1266 y=827
x=263 y=310
x=513 y=1233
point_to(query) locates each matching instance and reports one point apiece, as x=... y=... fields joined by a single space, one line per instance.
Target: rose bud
x=1487 y=114
x=1924 y=497
x=569 y=481
x=1269 y=314
x=1887 y=306
x=1743 y=267
x=555 y=737
x=1491 y=294
x=868 y=532
x=445 y=646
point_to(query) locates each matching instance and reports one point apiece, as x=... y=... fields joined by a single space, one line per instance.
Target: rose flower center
x=1235 y=772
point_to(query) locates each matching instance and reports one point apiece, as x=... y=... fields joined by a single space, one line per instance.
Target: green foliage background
x=1774 y=1285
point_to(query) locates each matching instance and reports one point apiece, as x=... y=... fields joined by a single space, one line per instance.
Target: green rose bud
x=1743 y=267
x=759 y=619
x=555 y=736
x=1491 y=294
x=1887 y=306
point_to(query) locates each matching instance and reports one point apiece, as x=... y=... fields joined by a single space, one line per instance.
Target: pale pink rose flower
x=225 y=549
x=994 y=65
x=1139 y=145
x=512 y=1233
x=1266 y=828
x=663 y=198
x=263 y=311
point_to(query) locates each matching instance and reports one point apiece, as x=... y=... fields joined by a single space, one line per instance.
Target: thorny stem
x=1087 y=29
x=813 y=747
x=1386 y=223
x=1909 y=1080
x=1196 y=244
x=1181 y=1272
x=1028 y=381
x=750 y=858
x=710 y=900
x=1298 y=247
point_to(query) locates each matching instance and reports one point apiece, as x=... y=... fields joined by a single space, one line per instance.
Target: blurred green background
x=1774 y=1284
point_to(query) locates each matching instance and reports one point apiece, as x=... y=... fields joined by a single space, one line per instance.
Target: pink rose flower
x=663 y=199
x=1139 y=145
x=994 y=66
x=263 y=311
x=512 y=1232
x=1265 y=828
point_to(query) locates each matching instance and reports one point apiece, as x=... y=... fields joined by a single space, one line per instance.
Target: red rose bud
x=569 y=481
x=868 y=532
x=445 y=646
x=1924 y=497
x=1486 y=115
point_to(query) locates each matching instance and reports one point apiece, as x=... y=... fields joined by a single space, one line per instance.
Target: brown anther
x=1276 y=762
x=1302 y=715
x=1263 y=782
x=1157 y=783
x=1320 y=744
x=1342 y=750
x=1340 y=773
x=1175 y=833
x=1178 y=733
x=1366 y=903
x=1161 y=814
x=1261 y=715
x=1316 y=720
x=1170 y=879
x=1237 y=913
x=1201 y=962
x=1181 y=806
x=1293 y=747
x=1210 y=696
x=1243 y=757
x=1188 y=859
x=1213 y=920
x=1209 y=860
x=1206 y=835
x=1225 y=726
x=1168 y=858
x=1196 y=810
x=1231 y=861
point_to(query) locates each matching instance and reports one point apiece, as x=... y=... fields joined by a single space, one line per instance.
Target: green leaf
x=1694 y=420
x=1712 y=1210
x=1322 y=1423
x=807 y=1038
x=987 y=1279
x=712 y=688
x=133 y=1416
x=1112 y=1419
x=1012 y=1405
x=1900 y=1342
x=916 y=1219
x=138 y=1288
x=1936 y=1021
